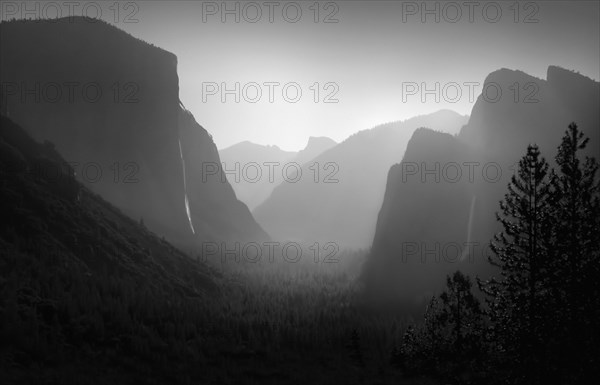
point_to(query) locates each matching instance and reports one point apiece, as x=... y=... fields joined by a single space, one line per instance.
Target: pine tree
x=462 y=312
x=515 y=300
x=447 y=343
x=576 y=270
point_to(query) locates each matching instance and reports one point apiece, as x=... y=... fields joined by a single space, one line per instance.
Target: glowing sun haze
x=362 y=60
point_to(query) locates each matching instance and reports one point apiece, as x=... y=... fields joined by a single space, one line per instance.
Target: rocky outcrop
x=110 y=104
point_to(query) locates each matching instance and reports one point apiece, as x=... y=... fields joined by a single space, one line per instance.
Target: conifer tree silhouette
x=575 y=254
x=515 y=299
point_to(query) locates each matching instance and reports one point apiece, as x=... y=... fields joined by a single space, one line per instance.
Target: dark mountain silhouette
x=51 y=213
x=438 y=215
x=81 y=280
x=251 y=180
x=544 y=109
x=118 y=116
x=340 y=205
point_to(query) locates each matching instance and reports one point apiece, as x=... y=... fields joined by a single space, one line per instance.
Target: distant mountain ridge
x=341 y=190
x=132 y=140
x=245 y=160
x=316 y=146
x=247 y=151
x=420 y=216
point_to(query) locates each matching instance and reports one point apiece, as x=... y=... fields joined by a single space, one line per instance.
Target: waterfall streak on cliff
x=187 y=203
x=469 y=229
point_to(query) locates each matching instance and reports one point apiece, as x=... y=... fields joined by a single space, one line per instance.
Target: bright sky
x=363 y=60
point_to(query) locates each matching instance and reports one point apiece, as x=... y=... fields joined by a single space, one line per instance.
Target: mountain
x=427 y=228
x=45 y=209
x=111 y=105
x=336 y=196
x=246 y=152
x=543 y=111
x=251 y=180
x=81 y=280
x=315 y=147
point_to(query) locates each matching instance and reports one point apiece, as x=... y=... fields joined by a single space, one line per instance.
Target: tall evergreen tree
x=516 y=299
x=576 y=270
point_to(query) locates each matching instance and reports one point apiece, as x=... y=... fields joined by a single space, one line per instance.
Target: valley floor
x=272 y=324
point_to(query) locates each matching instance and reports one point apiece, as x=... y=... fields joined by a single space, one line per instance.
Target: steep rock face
x=214 y=208
x=435 y=216
x=339 y=192
x=532 y=110
x=425 y=226
x=59 y=221
x=111 y=105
